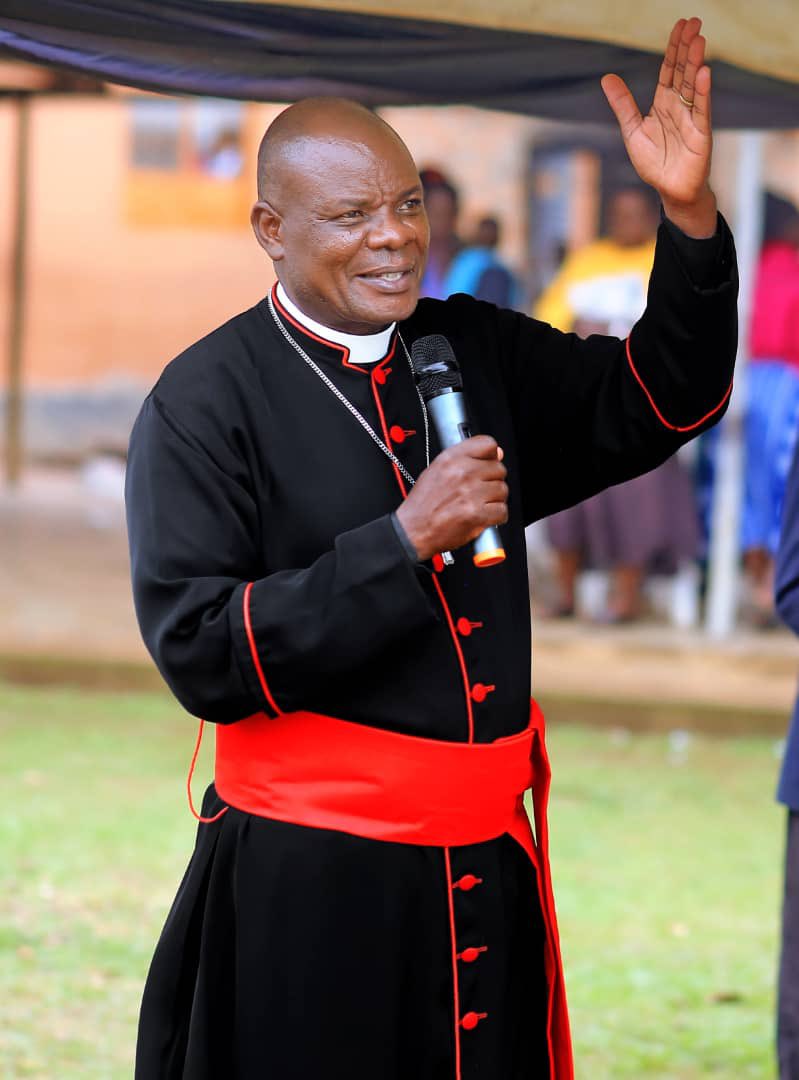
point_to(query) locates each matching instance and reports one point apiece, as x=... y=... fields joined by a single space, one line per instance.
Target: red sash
x=314 y=770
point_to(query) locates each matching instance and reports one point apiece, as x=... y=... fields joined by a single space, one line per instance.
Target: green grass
x=667 y=872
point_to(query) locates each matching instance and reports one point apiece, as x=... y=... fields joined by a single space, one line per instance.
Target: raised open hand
x=670 y=147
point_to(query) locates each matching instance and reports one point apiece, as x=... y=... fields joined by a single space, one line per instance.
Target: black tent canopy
x=503 y=55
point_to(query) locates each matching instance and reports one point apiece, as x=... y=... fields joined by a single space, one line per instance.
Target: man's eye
x=411 y=204
x=351 y=215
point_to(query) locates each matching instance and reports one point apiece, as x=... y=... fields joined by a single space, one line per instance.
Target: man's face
x=352 y=240
x=631 y=219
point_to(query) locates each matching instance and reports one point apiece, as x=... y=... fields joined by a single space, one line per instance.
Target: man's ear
x=267 y=225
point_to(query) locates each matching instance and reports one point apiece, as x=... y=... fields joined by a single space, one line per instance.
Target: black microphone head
x=434 y=366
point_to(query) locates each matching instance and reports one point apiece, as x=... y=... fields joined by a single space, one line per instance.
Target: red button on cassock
x=465 y=626
x=480 y=692
x=438 y=563
x=467 y=882
x=472 y=1019
x=398 y=435
x=470 y=955
x=381 y=374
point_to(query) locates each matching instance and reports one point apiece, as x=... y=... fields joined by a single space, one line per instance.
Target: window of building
x=155 y=134
x=187 y=163
x=216 y=129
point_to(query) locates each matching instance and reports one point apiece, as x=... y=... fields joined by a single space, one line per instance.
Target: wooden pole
x=13 y=454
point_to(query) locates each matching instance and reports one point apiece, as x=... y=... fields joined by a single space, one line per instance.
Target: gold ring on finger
x=688 y=104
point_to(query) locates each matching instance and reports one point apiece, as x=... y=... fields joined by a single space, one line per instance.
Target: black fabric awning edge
x=273 y=53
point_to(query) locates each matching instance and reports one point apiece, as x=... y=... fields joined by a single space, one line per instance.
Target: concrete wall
x=108 y=300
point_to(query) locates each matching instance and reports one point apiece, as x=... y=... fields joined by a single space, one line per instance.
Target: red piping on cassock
x=658 y=413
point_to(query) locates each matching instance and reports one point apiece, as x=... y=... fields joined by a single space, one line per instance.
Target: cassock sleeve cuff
x=403 y=538
x=707 y=261
x=682 y=350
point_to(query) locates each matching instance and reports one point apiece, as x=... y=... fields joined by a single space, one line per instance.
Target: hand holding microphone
x=462 y=495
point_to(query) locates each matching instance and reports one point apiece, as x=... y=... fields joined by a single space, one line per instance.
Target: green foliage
x=666 y=860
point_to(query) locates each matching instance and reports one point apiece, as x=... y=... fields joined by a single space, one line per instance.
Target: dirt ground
x=65 y=596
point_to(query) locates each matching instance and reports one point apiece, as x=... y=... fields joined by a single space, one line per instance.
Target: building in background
x=139 y=236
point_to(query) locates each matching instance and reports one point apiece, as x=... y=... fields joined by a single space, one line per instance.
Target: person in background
x=787 y=603
x=649 y=523
x=772 y=412
x=478 y=270
x=225 y=159
x=442 y=204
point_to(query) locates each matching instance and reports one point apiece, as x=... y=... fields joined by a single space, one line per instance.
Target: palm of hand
x=667 y=149
x=670 y=147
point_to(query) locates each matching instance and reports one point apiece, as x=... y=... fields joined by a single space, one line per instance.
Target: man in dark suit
x=787 y=596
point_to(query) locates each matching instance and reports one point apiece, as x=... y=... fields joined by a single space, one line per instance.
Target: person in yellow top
x=649 y=523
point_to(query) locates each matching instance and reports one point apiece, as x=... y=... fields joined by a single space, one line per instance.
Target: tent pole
x=723 y=572
x=13 y=449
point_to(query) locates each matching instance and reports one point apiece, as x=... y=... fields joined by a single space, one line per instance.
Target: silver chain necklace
x=348 y=404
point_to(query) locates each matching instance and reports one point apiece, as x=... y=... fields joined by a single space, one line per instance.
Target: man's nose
x=390 y=231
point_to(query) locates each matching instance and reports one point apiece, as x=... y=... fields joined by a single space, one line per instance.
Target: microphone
x=438 y=378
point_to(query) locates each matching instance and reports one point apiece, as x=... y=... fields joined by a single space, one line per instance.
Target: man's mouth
x=387 y=275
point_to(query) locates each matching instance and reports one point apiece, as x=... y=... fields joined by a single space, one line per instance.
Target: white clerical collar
x=364 y=348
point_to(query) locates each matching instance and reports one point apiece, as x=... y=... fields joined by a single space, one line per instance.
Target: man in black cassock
x=287 y=568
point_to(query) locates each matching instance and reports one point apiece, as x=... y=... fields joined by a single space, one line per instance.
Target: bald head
x=305 y=129
x=340 y=212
